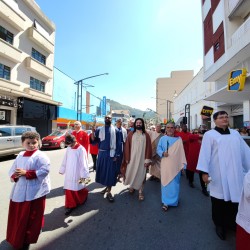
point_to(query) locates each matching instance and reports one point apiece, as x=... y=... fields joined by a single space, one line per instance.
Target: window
x=37 y=84
x=5 y=132
x=38 y=56
x=4 y=72
x=6 y=35
x=20 y=131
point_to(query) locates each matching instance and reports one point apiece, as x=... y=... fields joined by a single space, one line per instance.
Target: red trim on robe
x=13 y=177
x=76 y=146
x=242 y=239
x=75 y=198
x=29 y=153
x=30 y=174
x=25 y=221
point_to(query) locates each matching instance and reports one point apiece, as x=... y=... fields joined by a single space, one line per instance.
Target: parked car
x=55 y=140
x=10 y=138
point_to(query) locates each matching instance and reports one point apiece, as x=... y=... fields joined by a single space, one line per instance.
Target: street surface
x=125 y=224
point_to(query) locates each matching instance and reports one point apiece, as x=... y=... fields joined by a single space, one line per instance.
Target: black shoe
x=26 y=247
x=191 y=184
x=220 y=232
x=205 y=192
x=104 y=190
x=110 y=197
x=68 y=211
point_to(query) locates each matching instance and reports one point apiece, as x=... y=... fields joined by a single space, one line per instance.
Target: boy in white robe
x=76 y=170
x=224 y=159
x=30 y=172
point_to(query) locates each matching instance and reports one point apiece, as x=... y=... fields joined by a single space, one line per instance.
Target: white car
x=10 y=138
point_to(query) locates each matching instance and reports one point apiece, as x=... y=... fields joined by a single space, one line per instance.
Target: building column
x=246 y=111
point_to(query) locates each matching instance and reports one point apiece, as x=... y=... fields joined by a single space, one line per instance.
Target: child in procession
x=30 y=174
x=76 y=170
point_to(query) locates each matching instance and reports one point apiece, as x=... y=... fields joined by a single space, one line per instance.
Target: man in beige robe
x=155 y=167
x=137 y=158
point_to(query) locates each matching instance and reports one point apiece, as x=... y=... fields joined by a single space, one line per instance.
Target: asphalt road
x=124 y=224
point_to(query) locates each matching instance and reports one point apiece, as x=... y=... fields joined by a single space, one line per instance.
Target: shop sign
x=236 y=81
x=207 y=111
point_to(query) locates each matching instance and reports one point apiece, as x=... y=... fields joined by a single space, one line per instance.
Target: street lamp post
x=80 y=84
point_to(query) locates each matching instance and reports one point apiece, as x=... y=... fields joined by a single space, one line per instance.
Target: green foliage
x=133 y=111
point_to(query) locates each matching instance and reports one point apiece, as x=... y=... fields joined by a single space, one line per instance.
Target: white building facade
x=190 y=102
x=27 y=42
x=226 y=33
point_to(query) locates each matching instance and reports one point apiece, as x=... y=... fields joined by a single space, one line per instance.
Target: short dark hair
x=30 y=135
x=69 y=139
x=215 y=115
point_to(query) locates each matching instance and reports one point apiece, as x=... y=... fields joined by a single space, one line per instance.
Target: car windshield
x=57 y=133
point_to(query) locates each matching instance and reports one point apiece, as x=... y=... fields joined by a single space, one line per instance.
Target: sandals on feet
x=141 y=197
x=131 y=190
x=165 y=208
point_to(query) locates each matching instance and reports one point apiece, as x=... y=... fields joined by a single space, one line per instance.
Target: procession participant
x=80 y=135
x=192 y=160
x=243 y=217
x=224 y=158
x=93 y=150
x=106 y=137
x=155 y=167
x=173 y=161
x=30 y=172
x=76 y=171
x=137 y=158
x=121 y=138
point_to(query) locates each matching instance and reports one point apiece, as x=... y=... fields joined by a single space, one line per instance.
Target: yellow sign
x=236 y=81
x=207 y=111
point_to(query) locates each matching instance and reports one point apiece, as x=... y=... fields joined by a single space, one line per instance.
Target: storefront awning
x=224 y=96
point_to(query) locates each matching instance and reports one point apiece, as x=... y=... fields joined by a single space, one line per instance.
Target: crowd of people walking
x=220 y=157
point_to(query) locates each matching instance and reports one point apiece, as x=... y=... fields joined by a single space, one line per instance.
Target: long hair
x=143 y=125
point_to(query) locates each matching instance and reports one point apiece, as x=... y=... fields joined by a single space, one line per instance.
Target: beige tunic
x=155 y=168
x=136 y=172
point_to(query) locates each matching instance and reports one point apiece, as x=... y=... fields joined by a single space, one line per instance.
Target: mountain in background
x=133 y=112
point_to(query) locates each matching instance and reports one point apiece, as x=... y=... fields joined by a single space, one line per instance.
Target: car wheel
x=62 y=144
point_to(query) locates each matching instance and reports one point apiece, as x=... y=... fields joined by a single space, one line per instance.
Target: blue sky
x=135 y=41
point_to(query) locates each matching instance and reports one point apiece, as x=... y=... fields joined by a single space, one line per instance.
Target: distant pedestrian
x=224 y=157
x=137 y=158
x=173 y=161
x=76 y=171
x=80 y=135
x=243 y=217
x=27 y=199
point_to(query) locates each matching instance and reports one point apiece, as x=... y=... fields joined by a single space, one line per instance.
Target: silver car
x=10 y=138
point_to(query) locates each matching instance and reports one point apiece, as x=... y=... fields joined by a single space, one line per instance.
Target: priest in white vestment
x=224 y=159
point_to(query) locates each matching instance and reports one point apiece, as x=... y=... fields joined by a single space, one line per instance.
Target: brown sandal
x=141 y=197
x=164 y=208
x=131 y=190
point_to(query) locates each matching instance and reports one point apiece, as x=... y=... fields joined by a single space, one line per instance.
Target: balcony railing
x=11 y=16
x=39 y=68
x=241 y=31
x=9 y=51
x=40 y=40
